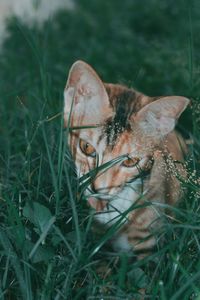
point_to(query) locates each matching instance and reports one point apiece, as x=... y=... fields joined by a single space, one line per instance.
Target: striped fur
x=123 y=123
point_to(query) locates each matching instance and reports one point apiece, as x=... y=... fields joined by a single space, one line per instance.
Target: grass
x=48 y=249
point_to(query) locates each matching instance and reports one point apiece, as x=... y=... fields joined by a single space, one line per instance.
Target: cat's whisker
x=101 y=196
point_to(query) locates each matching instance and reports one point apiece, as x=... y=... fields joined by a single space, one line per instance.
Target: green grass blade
x=42 y=236
x=53 y=174
x=74 y=212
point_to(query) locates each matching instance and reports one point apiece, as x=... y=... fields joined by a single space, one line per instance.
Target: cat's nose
x=97 y=188
x=93 y=188
x=102 y=189
x=106 y=183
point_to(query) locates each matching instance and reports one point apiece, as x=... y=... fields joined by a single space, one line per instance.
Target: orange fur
x=129 y=125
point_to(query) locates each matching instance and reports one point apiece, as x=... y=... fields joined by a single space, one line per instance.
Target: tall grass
x=48 y=249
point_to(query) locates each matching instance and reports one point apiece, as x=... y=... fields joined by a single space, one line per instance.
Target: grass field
x=47 y=247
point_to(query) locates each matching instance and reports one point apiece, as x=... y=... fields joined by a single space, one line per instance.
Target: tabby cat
x=130 y=138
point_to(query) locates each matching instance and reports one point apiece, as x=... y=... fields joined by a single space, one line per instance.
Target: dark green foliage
x=47 y=247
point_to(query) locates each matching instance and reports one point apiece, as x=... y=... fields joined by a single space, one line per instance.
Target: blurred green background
x=151 y=45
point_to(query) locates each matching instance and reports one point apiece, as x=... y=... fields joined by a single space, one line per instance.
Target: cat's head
x=116 y=122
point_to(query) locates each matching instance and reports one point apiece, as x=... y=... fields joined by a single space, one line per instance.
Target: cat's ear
x=159 y=117
x=85 y=94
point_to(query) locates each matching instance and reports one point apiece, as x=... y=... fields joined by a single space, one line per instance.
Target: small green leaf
x=139 y=277
x=37 y=214
x=43 y=253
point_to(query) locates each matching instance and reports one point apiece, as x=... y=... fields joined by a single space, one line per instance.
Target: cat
x=135 y=134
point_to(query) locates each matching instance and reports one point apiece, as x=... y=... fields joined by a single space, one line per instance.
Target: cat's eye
x=87 y=148
x=131 y=162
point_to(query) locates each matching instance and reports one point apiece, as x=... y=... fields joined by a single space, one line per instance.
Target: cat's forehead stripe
x=123 y=144
x=124 y=102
